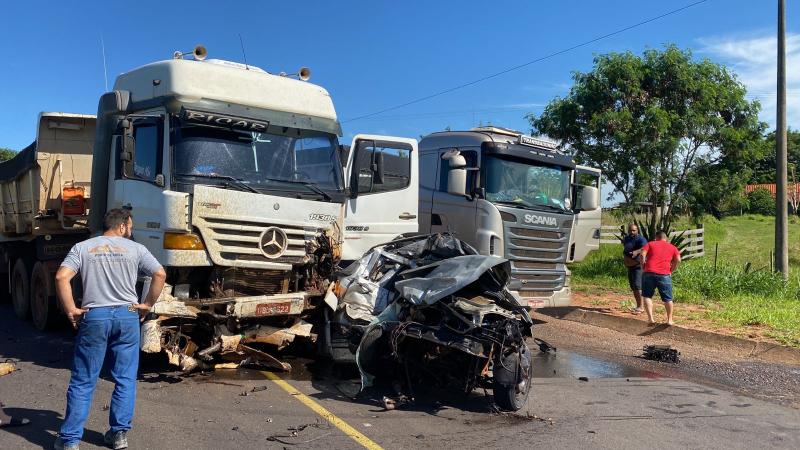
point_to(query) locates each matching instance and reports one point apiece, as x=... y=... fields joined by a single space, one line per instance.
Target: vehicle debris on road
x=430 y=309
x=663 y=353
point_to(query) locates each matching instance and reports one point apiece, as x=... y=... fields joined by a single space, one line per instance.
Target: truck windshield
x=528 y=184
x=295 y=160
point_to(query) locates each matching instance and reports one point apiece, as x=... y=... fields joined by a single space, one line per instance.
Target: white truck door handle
x=406 y=216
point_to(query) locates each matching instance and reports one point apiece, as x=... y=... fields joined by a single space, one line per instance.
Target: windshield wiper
x=312 y=186
x=231 y=181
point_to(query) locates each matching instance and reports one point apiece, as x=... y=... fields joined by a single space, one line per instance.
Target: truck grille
x=537 y=259
x=254 y=281
x=235 y=242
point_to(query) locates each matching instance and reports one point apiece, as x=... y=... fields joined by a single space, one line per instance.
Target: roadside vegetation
x=740 y=292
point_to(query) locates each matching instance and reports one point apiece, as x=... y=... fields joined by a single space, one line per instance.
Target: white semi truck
x=234 y=180
x=513 y=196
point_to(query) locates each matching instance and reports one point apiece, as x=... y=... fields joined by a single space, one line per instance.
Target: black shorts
x=635 y=278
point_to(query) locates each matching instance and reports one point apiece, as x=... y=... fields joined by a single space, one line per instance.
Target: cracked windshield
x=509 y=181
x=258 y=159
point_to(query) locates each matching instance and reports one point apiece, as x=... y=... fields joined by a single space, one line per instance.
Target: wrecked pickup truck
x=430 y=309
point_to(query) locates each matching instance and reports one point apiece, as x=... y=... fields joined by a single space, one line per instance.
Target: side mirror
x=127 y=150
x=590 y=198
x=378 y=169
x=457 y=176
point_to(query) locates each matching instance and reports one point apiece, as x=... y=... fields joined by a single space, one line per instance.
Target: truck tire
x=43 y=305
x=512 y=375
x=20 y=289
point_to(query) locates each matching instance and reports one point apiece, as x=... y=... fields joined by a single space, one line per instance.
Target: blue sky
x=374 y=55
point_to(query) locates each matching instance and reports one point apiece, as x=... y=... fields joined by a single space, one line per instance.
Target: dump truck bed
x=52 y=172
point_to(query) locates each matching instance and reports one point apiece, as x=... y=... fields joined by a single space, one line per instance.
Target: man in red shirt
x=660 y=259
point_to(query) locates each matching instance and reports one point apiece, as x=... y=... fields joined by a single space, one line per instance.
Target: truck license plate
x=273 y=309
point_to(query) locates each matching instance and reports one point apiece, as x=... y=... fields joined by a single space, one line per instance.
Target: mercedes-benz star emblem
x=273 y=242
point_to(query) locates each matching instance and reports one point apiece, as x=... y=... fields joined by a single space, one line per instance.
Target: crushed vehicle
x=432 y=310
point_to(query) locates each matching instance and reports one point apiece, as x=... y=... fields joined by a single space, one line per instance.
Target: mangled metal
x=229 y=316
x=430 y=310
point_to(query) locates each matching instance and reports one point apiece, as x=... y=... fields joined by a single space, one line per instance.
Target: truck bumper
x=561 y=297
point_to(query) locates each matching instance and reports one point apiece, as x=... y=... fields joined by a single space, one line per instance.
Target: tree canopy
x=764 y=167
x=6 y=154
x=651 y=121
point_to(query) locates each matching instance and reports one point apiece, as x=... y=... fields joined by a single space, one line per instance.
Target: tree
x=649 y=122
x=764 y=167
x=6 y=154
x=761 y=201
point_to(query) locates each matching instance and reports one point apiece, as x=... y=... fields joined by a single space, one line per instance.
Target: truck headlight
x=183 y=241
x=507 y=217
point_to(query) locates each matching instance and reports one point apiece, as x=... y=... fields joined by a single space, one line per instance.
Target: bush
x=760 y=201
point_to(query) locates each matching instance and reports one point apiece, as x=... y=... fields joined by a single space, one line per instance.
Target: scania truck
x=234 y=180
x=513 y=196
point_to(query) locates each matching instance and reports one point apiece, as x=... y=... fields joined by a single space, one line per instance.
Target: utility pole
x=781 y=213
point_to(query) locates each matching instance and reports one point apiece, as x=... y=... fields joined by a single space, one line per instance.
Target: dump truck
x=44 y=192
x=515 y=196
x=234 y=181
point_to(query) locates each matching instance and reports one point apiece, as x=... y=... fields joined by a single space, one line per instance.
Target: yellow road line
x=327 y=415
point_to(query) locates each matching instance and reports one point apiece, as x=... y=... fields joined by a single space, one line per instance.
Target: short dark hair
x=661 y=234
x=115 y=217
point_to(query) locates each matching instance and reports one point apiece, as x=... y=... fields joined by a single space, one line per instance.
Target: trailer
x=45 y=191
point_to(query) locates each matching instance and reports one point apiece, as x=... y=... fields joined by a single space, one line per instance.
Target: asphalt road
x=624 y=404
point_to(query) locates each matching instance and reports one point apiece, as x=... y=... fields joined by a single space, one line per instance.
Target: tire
x=43 y=305
x=369 y=350
x=517 y=367
x=20 y=290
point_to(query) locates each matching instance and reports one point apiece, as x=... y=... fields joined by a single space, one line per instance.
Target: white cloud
x=753 y=58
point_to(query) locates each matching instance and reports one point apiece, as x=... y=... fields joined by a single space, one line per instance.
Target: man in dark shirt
x=632 y=247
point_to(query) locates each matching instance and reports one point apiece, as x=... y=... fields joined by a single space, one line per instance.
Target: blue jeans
x=652 y=281
x=113 y=330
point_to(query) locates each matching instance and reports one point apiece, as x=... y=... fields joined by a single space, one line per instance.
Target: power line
x=503 y=109
x=542 y=58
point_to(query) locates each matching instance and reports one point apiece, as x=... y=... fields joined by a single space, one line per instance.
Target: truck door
x=384 y=185
x=138 y=183
x=585 y=235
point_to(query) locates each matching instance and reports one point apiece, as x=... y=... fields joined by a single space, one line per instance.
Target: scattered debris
x=583 y=378
x=106 y=407
x=7 y=367
x=269 y=419
x=391 y=403
x=236 y=428
x=544 y=346
x=663 y=353
x=258 y=389
x=295 y=432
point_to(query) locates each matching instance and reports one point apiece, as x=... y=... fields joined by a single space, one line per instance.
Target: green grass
x=735 y=297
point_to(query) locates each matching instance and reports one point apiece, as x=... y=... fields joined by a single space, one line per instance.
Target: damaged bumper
x=195 y=332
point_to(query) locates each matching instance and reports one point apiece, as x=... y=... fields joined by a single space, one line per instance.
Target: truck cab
x=508 y=195
x=234 y=179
